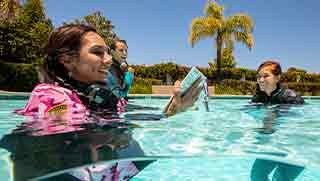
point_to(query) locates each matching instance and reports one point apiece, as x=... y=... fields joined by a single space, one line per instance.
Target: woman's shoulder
x=289 y=92
x=50 y=88
x=48 y=95
x=55 y=93
x=292 y=97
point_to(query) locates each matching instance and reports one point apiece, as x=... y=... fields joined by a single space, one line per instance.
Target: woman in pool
x=269 y=88
x=74 y=72
x=270 y=91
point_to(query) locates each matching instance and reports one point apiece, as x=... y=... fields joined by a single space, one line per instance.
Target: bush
x=22 y=40
x=300 y=77
x=160 y=71
x=308 y=89
x=235 y=87
x=177 y=72
x=143 y=86
x=140 y=89
x=18 y=77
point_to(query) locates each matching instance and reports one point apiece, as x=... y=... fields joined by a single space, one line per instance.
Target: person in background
x=270 y=92
x=120 y=75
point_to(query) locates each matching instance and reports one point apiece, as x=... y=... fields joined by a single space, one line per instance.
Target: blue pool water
x=218 y=145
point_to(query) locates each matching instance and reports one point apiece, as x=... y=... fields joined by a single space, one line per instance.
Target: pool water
x=221 y=144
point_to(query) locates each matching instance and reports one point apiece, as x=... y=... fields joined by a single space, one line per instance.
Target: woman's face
x=94 y=60
x=267 y=80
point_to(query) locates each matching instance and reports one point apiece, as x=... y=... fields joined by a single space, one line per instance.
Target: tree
x=296 y=74
x=33 y=12
x=21 y=46
x=9 y=9
x=22 y=40
x=228 y=60
x=225 y=31
x=101 y=23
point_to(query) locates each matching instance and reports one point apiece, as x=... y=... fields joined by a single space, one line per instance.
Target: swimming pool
x=218 y=145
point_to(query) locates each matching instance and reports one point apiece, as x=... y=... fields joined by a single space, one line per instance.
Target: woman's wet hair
x=271 y=65
x=64 y=42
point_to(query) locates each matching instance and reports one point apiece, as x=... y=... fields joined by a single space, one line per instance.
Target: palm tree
x=225 y=31
x=9 y=9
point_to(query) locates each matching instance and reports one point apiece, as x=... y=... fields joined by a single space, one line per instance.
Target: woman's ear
x=67 y=61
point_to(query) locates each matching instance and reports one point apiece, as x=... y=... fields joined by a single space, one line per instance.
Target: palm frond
x=246 y=38
x=212 y=9
x=202 y=28
x=239 y=22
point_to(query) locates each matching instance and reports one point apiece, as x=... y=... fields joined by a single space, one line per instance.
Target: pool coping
x=5 y=95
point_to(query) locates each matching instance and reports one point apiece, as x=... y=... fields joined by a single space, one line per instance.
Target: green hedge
x=300 y=77
x=159 y=71
x=143 y=86
x=178 y=72
x=236 y=87
x=18 y=77
x=305 y=88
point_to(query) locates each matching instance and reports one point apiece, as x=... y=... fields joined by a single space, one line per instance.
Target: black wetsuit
x=279 y=96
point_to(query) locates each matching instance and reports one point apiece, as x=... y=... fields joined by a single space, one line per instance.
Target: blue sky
x=157 y=30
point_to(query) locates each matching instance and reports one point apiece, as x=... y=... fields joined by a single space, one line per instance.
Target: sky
x=157 y=30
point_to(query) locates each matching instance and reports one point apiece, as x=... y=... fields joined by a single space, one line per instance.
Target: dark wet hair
x=273 y=66
x=113 y=45
x=64 y=42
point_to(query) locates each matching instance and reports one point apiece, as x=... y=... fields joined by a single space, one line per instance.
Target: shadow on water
x=35 y=156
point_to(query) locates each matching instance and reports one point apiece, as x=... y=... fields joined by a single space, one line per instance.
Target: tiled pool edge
x=24 y=95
